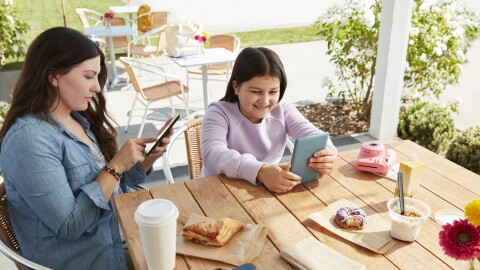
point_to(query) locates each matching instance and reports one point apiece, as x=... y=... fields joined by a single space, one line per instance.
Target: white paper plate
x=448 y=216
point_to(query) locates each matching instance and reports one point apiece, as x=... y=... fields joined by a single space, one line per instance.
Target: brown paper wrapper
x=243 y=247
x=375 y=236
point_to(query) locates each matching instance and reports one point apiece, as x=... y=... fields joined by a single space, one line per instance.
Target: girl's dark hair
x=255 y=62
x=55 y=52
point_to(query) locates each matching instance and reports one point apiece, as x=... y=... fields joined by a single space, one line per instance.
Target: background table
x=114 y=31
x=445 y=185
x=211 y=56
x=124 y=9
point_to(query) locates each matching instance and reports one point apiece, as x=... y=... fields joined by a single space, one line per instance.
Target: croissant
x=212 y=232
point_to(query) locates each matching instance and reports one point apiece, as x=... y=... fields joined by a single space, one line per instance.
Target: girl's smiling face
x=257 y=97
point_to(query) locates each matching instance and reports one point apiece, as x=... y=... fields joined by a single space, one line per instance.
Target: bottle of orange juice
x=412 y=173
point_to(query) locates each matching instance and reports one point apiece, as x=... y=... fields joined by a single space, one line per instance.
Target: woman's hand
x=132 y=152
x=277 y=177
x=159 y=150
x=322 y=161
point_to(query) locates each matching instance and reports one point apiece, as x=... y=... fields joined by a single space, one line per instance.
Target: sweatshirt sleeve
x=217 y=157
x=298 y=126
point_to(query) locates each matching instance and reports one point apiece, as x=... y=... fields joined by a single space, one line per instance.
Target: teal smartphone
x=304 y=149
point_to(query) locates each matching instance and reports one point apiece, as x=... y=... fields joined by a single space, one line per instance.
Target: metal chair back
x=192 y=131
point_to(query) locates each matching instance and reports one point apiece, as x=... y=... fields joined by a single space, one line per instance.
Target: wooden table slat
x=212 y=196
x=463 y=177
x=302 y=202
x=264 y=208
x=435 y=201
x=371 y=193
x=180 y=195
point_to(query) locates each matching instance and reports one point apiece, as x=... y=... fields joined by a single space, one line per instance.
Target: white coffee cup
x=403 y=227
x=157 y=222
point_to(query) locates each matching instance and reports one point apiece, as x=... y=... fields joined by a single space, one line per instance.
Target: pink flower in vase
x=109 y=15
x=202 y=38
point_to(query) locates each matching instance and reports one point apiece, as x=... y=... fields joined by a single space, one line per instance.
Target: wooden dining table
x=444 y=185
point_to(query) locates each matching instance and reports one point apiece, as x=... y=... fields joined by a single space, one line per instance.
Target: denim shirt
x=56 y=207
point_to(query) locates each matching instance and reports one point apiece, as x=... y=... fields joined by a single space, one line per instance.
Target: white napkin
x=186 y=51
x=311 y=254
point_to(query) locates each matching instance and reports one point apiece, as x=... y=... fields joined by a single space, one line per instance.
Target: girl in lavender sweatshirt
x=244 y=134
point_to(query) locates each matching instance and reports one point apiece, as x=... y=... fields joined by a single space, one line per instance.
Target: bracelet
x=112 y=172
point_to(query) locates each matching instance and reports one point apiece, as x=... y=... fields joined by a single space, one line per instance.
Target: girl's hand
x=322 y=161
x=277 y=177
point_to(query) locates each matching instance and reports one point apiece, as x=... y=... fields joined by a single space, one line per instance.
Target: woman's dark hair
x=255 y=62
x=55 y=52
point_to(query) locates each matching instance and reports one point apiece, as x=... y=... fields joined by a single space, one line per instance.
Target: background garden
x=439 y=38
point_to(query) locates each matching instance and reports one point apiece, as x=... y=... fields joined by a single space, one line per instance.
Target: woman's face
x=257 y=97
x=77 y=87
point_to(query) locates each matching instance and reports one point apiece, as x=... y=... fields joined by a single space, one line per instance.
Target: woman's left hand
x=322 y=161
x=158 y=151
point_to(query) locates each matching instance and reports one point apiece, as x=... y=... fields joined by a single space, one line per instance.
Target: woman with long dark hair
x=60 y=159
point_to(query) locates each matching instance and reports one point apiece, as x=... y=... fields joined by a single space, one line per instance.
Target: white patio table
x=211 y=56
x=124 y=9
x=130 y=9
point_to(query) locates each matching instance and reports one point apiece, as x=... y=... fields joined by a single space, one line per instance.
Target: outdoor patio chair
x=161 y=86
x=156 y=18
x=120 y=42
x=88 y=17
x=227 y=41
x=191 y=130
x=136 y=49
x=9 y=245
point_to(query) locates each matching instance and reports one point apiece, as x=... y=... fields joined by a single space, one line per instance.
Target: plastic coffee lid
x=448 y=216
x=156 y=212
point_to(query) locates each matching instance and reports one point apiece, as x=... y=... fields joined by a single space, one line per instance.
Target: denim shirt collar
x=83 y=122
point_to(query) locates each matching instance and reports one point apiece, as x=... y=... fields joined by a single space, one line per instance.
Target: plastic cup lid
x=156 y=212
x=448 y=216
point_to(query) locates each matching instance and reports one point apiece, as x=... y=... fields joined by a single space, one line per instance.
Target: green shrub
x=429 y=125
x=438 y=39
x=12 y=31
x=465 y=149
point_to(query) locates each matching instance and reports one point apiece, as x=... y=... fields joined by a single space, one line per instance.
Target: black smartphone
x=162 y=134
